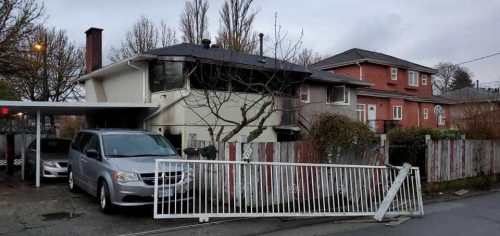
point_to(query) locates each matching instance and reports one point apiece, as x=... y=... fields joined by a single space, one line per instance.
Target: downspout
x=143 y=79
x=360 y=71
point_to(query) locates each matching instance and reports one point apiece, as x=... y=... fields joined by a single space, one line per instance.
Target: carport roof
x=69 y=108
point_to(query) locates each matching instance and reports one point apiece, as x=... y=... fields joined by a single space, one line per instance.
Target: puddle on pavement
x=60 y=216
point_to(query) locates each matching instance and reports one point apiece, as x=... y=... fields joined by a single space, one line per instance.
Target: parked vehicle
x=53 y=158
x=117 y=166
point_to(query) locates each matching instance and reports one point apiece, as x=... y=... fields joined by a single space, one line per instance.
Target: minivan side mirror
x=92 y=153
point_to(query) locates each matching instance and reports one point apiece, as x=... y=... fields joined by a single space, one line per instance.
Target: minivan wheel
x=104 y=200
x=71 y=182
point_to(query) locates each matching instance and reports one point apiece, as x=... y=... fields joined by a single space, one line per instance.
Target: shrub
x=333 y=133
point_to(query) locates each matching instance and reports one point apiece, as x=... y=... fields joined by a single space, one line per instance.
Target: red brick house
x=401 y=94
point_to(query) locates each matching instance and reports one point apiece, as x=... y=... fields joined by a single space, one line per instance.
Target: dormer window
x=394 y=73
x=413 y=78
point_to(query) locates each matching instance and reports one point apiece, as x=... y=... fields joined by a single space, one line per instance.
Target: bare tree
x=236 y=98
x=65 y=63
x=236 y=26
x=19 y=19
x=307 y=57
x=143 y=36
x=444 y=77
x=194 y=21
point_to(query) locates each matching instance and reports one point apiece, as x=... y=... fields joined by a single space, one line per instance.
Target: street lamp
x=42 y=47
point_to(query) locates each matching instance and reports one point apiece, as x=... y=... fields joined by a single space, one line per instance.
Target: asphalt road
x=473 y=216
x=52 y=210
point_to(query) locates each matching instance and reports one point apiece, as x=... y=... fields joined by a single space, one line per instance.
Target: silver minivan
x=117 y=166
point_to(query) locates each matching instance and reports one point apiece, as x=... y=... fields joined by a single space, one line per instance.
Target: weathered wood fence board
x=454 y=159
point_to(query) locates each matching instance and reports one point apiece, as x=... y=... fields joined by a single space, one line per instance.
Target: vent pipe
x=261 y=53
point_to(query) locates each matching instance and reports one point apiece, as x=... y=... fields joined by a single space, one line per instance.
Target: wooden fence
x=293 y=152
x=454 y=159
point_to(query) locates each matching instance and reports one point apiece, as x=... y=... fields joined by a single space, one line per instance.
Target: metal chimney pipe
x=261 y=54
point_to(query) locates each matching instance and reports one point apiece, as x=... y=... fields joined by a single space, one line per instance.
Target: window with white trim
x=361 y=112
x=424 y=79
x=442 y=118
x=394 y=73
x=304 y=93
x=337 y=95
x=413 y=78
x=397 y=112
x=426 y=113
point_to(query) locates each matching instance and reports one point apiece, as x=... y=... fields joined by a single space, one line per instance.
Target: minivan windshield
x=136 y=145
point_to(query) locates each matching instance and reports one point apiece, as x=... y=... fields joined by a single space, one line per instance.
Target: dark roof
x=229 y=56
x=355 y=55
x=324 y=76
x=225 y=55
x=469 y=94
x=394 y=94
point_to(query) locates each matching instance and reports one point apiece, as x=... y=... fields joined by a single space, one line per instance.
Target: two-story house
x=401 y=94
x=181 y=77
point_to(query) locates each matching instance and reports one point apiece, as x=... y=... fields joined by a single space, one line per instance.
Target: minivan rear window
x=136 y=145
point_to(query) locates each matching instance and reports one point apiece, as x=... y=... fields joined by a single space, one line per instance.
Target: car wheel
x=104 y=200
x=71 y=182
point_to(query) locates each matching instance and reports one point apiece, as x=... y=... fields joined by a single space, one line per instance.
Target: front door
x=372 y=116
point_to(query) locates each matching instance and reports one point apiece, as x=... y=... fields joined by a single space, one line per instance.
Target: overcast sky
x=425 y=31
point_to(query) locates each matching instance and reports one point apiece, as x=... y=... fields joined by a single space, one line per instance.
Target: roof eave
x=112 y=67
x=352 y=62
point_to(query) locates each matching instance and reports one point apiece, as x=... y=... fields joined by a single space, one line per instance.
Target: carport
x=98 y=114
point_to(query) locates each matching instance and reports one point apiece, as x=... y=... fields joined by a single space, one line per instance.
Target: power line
x=477 y=59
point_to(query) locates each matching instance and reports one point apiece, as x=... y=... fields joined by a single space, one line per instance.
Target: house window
x=424 y=79
x=426 y=113
x=442 y=118
x=361 y=112
x=397 y=112
x=337 y=95
x=412 y=78
x=394 y=73
x=304 y=93
x=165 y=75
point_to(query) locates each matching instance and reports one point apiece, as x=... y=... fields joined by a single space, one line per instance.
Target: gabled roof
x=357 y=55
x=469 y=94
x=369 y=92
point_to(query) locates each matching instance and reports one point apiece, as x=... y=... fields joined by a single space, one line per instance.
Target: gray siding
x=318 y=103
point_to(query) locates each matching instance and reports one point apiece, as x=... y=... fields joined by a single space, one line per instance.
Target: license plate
x=165 y=192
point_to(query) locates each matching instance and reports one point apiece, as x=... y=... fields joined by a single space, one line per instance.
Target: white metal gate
x=204 y=189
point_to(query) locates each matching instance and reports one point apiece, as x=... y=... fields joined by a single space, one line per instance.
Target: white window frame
x=426 y=113
x=424 y=79
x=363 y=111
x=347 y=94
x=394 y=73
x=397 y=112
x=308 y=93
x=413 y=80
x=442 y=118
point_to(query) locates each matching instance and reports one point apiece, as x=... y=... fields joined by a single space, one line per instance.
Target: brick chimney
x=93 y=49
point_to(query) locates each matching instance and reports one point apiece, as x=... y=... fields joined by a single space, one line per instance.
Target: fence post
x=428 y=162
x=384 y=147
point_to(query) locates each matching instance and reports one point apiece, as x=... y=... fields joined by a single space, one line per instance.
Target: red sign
x=5 y=111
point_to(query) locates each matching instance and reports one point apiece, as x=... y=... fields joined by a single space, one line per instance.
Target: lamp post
x=42 y=47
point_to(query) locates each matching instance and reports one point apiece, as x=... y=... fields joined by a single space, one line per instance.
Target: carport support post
x=37 y=163
x=23 y=155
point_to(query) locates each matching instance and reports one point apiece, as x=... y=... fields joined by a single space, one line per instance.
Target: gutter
x=360 y=71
